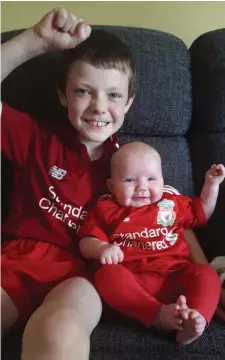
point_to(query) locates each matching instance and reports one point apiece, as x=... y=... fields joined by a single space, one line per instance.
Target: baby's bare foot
x=181 y=306
x=193 y=326
x=168 y=318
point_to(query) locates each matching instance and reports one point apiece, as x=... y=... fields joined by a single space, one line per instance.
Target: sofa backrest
x=207 y=133
x=161 y=114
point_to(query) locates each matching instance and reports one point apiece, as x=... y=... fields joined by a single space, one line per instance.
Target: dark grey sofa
x=180 y=109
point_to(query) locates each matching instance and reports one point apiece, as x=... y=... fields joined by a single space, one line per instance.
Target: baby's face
x=137 y=180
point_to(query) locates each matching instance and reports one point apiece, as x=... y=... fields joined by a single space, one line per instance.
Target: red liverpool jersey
x=151 y=235
x=55 y=183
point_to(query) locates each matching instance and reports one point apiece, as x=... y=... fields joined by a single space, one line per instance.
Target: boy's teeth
x=97 y=123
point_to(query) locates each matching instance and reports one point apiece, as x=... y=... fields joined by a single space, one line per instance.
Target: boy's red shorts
x=30 y=269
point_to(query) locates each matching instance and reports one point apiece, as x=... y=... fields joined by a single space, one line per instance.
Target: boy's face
x=97 y=100
x=137 y=180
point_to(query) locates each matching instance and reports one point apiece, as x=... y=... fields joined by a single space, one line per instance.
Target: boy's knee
x=54 y=326
x=76 y=300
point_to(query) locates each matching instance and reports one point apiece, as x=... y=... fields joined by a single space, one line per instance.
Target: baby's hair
x=103 y=50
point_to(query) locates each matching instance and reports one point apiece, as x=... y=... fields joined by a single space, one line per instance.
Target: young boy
x=59 y=173
x=141 y=227
x=40 y=249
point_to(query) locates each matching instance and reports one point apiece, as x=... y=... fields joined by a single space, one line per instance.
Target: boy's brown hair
x=104 y=50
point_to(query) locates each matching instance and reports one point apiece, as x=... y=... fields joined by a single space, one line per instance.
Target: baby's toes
x=178 y=324
x=199 y=324
x=178 y=321
x=184 y=314
x=176 y=313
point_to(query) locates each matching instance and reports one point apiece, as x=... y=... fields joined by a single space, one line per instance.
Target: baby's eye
x=151 y=178
x=115 y=95
x=81 y=91
x=129 y=180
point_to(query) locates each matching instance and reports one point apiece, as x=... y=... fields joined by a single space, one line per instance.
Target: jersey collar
x=71 y=139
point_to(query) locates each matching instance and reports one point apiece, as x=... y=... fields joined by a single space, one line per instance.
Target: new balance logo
x=57 y=173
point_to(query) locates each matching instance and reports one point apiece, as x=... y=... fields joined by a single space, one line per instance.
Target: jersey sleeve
x=192 y=211
x=17 y=131
x=94 y=225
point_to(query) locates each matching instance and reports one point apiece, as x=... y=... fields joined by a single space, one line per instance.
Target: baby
x=137 y=234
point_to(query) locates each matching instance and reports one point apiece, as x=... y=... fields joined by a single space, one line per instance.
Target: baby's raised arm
x=213 y=178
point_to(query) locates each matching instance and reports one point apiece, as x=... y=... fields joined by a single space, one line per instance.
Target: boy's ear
x=129 y=103
x=109 y=184
x=62 y=97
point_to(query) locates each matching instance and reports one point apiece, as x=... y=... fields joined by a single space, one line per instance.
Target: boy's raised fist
x=60 y=30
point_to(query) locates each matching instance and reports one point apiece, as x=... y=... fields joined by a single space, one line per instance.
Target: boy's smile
x=97 y=100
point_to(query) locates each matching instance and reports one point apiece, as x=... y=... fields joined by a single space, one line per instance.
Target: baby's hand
x=111 y=254
x=60 y=30
x=215 y=175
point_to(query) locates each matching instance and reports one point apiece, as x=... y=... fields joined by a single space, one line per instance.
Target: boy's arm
x=18 y=50
x=214 y=176
x=58 y=30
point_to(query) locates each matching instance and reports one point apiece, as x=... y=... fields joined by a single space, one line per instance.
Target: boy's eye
x=81 y=91
x=151 y=179
x=115 y=95
x=129 y=180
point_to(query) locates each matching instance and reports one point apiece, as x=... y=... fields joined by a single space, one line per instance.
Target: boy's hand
x=111 y=254
x=215 y=175
x=60 y=30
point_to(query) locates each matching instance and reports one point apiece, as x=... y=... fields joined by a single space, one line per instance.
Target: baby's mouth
x=141 y=198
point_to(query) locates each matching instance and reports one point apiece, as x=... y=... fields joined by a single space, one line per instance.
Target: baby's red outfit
x=156 y=268
x=55 y=185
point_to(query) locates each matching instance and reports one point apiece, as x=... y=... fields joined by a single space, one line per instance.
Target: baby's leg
x=202 y=289
x=202 y=293
x=124 y=291
x=9 y=312
x=169 y=316
x=193 y=326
